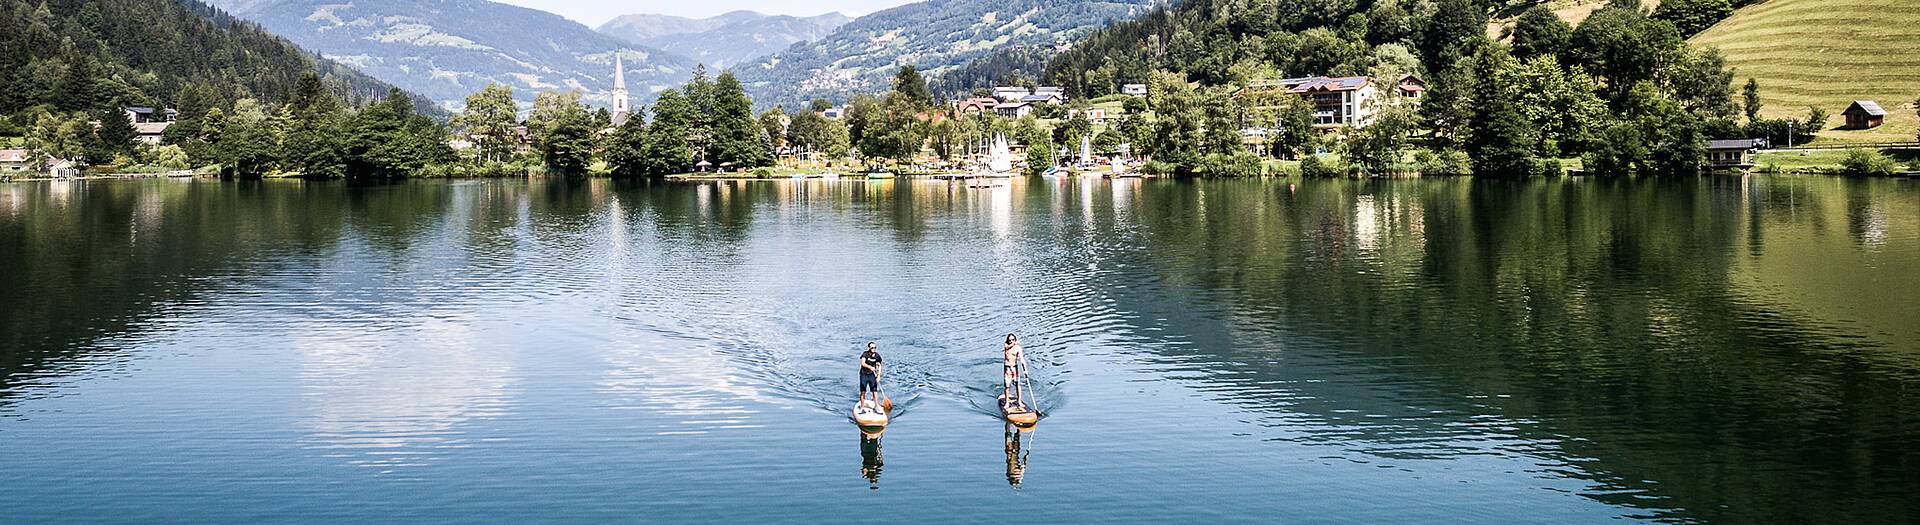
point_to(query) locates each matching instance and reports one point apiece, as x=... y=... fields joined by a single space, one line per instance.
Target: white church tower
x=619 y=91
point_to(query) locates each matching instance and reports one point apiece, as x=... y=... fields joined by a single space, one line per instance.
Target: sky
x=596 y=12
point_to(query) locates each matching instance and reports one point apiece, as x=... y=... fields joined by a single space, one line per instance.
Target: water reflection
x=871 y=461
x=1019 y=446
x=1686 y=349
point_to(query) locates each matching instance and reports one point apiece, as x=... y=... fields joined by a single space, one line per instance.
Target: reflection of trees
x=86 y=261
x=1596 y=316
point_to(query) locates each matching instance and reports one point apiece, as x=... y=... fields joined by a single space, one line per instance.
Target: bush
x=1238 y=164
x=1866 y=162
x=1442 y=162
x=1134 y=105
x=1155 y=167
x=1550 y=168
x=763 y=173
x=1313 y=167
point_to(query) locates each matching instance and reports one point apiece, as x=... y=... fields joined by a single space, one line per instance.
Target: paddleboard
x=868 y=416
x=1017 y=413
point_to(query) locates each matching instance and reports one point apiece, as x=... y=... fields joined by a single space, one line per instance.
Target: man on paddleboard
x=870 y=373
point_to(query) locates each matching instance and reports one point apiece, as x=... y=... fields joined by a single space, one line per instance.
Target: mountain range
x=935 y=36
x=448 y=49
x=722 y=40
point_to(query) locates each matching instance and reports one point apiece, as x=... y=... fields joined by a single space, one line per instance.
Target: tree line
x=1622 y=90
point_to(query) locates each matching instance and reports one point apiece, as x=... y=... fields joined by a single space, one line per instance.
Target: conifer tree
x=666 y=148
x=738 y=137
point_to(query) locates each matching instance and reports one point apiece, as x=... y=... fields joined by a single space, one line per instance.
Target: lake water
x=1442 y=350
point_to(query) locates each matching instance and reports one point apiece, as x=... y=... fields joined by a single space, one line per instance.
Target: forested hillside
x=84 y=55
x=1623 y=91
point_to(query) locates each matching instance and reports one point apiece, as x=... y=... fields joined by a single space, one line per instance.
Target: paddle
x=886 y=403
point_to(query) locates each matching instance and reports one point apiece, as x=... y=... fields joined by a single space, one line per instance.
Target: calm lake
x=1720 y=349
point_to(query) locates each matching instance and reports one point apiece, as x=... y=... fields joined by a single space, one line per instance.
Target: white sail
x=1086 y=149
x=1001 y=160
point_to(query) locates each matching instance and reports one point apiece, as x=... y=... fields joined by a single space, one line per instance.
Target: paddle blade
x=886 y=404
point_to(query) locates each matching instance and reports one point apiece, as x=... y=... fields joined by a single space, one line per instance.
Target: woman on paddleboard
x=1010 y=377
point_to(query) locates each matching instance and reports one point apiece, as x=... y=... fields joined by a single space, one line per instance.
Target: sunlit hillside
x=1828 y=53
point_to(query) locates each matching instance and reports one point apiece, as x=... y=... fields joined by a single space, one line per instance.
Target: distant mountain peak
x=448 y=49
x=722 y=40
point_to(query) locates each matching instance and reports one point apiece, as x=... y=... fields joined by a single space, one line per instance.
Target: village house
x=1011 y=93
x=833 y=113
x=1411 y=87
x=15 y=161
x=1338 y=102
x=1014 y=109
x=1137 y=90
x=149 y=123
x=1097 y=116
x=1864 y=114
x=20 y=161
x=1341 y=102
x=975 y=105
x=1733 y=153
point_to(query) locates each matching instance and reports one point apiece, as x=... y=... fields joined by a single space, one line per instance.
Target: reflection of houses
x=1337 y=102
x=150 y=123
x=1137 y=90
x=1733 y=153
x=1864 y=114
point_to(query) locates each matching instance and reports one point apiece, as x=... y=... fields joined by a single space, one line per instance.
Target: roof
x=1311 y=84
x=1734 y=144
x=1133 y=85
x=1014 y=105
x=1870 y=107
x=13 y=155
x=1049 y=89
x=1039 y=98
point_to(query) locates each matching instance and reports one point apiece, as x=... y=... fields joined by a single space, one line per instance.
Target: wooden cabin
x=1733 y=153
x=1864 y=114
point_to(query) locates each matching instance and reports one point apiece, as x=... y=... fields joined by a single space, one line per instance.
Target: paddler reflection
x=870 y=460
x=1019 y=446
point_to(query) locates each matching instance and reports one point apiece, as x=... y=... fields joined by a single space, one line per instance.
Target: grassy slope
x=1828 y=53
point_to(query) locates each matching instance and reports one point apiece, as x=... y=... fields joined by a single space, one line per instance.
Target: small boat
x=869 y=416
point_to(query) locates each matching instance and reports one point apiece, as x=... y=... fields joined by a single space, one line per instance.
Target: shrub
x=1313 y=167
x=1238 y=164
x=1442 y=162
x=1866 y=162
x=763 y=173
x=1155 y=167
x=1550 y=168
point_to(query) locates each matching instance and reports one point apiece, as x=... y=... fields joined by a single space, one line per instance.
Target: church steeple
x=619 y=89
